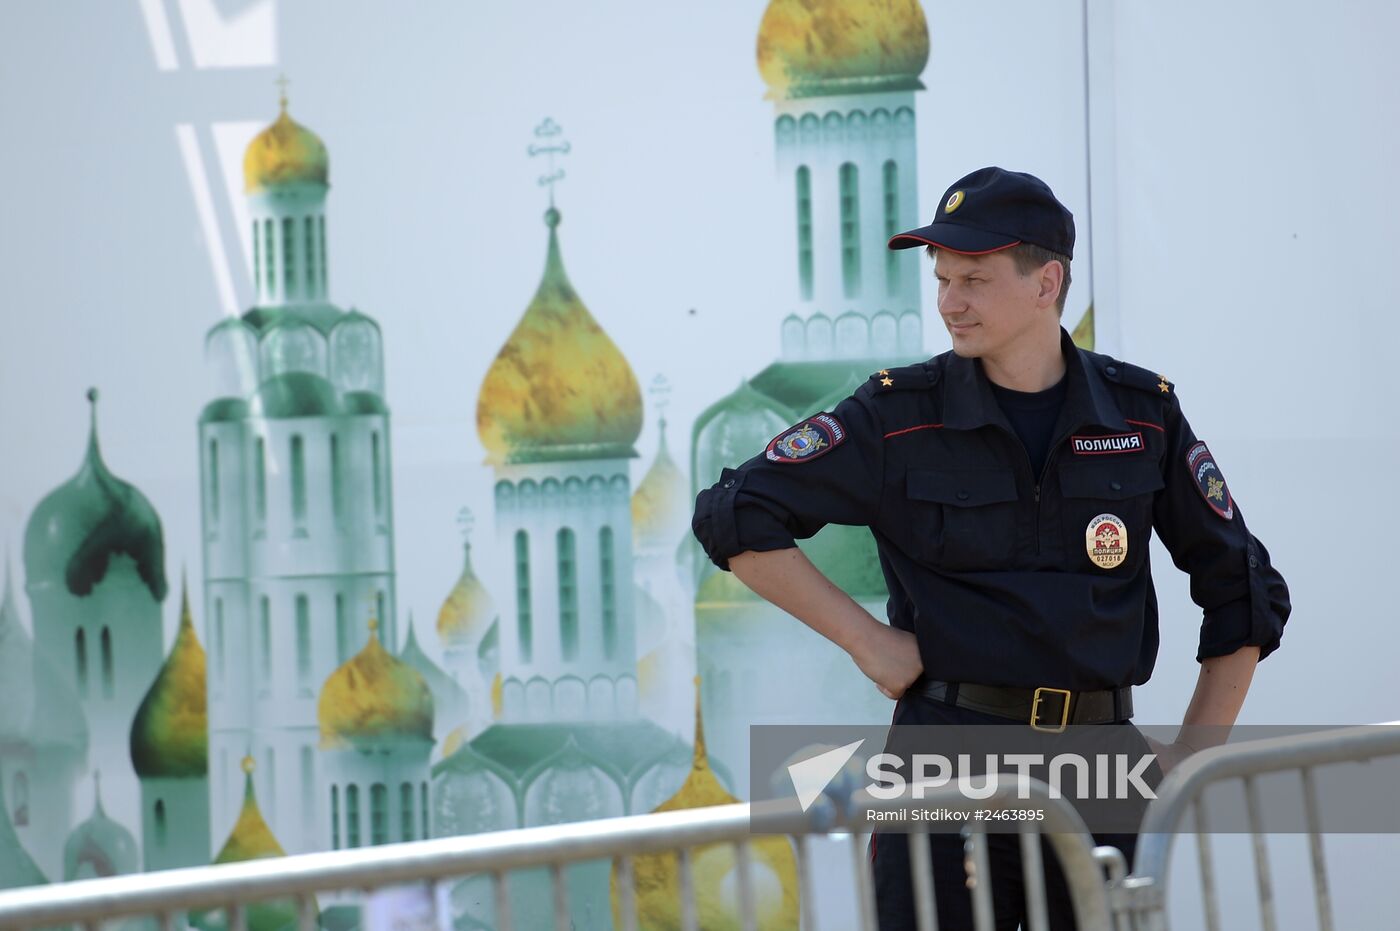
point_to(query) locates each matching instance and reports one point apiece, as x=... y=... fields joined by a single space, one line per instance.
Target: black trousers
x=889 y=853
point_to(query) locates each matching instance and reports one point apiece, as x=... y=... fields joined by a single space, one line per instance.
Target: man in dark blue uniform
x=1012 y=485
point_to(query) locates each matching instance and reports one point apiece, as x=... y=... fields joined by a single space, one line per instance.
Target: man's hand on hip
x=889 y=656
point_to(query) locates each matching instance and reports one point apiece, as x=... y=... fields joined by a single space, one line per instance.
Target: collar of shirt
x=968 y=402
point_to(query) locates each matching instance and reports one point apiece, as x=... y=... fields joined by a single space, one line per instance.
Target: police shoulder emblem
x=808 y=440
x=1106 y=540
x=1209 y=481
x=954 y=201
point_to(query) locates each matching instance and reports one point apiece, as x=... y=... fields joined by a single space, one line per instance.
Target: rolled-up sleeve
x=1243 y=598
x=768 y=504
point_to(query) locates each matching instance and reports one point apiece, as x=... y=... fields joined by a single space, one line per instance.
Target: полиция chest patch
x=808 y=440
x=1106 y=541
x=1209 y=481
x=1107 y=445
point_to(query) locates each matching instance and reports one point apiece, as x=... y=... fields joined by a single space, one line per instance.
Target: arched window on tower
x=289 y=281
x=80 y=645
x=257 y=254
x=298 y=486
x=352 y=816
x=378 y=814
x=162 y=834
x=265 y=643
x=891 y=184
x=260 y=480
x=522 y=595
x=609 y=590
x=342 y=633
x=321 y=242
x=269 y=264
x=309 y=241
x=337 y=477
x=568 y=595
x=335 y=817
x=107 y=677
x=406 y=812
x=304 y=644
x=220 y=660
x=213 y=484
x=376 y=475
x=19 y=792
x=850 y=230
x=804 y=231
x=423 y=808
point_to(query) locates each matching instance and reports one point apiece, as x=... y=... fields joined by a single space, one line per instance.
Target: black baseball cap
x=994 y=209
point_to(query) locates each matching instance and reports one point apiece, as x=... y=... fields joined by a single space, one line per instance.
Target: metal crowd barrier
x=1144 y=893
x=234 y=887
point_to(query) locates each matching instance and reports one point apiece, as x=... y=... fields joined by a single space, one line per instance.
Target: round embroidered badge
x=1106 y=540
x=954 y=201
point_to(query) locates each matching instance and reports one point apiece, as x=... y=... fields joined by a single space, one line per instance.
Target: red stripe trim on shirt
x=922 y=426
x=1143 y=423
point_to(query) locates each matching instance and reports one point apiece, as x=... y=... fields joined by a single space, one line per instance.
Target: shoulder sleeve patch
x=811 y=439
x=1209 y=481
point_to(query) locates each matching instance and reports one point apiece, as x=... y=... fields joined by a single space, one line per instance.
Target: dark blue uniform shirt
x=1009 y=575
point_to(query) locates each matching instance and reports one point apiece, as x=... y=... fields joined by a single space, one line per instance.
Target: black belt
x=1044 y=708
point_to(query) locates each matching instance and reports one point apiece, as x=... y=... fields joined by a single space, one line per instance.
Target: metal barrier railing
x=295 y=880
x=1182 y=794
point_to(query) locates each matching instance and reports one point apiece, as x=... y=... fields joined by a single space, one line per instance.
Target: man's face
x=986 y=304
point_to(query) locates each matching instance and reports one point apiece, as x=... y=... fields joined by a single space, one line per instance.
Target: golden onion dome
x=657 y=876
x=559 y=388
x=251 y=838
x=285 y=153
x=375 y=697
x=661 y=503
x=467 y=613
x=170 y=733
x=817 y=48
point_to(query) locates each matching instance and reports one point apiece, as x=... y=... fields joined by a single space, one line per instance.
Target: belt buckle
x=1064 y=709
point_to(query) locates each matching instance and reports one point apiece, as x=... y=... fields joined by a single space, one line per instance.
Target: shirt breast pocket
x=1106 y=513
x=963 y=519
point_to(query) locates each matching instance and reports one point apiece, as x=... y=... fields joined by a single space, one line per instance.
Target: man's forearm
x=1220 y=692
x=788 y=579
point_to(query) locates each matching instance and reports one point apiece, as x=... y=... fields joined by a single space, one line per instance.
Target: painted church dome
x=80 y=525
x=374 y=697
x=468 y=611
x=815 y=48
x=285 y=153
x=170 y=733
x=559 y=388
x=661 y=503
x=99 y=846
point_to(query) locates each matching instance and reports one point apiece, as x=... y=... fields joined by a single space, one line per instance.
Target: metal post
x=982 y=914
x=1319 y=862
x=1209 y=900
x=1261 y=858
x=562 y=921
x=921 y=866
x=748 y=908
x=502 y=891
x=690 y=921
x=627 y=883
x=865 y=895
x=1033 y=874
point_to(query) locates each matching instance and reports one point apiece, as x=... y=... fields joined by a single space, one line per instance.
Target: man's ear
x=1052 y=277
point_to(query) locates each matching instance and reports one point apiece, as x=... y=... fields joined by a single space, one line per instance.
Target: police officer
x=1012 y=485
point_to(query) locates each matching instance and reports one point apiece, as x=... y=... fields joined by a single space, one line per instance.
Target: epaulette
x=917 y=377
x=1134 y=376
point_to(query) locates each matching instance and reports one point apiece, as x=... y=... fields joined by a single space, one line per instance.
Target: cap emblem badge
x=954 y=201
